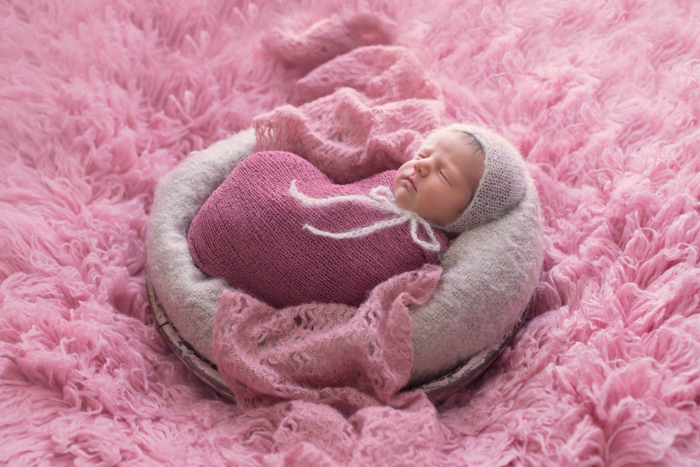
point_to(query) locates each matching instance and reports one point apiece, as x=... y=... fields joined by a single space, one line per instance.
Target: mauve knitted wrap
x=250 y=232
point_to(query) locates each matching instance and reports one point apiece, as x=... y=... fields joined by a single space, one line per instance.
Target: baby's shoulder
x=268 y=166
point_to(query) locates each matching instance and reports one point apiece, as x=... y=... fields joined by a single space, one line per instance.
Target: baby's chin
x=401 y=196
x=441 y=223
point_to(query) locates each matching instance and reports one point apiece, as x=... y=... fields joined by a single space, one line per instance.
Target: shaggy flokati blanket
x=99 y=99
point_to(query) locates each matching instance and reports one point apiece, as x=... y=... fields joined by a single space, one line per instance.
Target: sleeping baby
x=281 y=231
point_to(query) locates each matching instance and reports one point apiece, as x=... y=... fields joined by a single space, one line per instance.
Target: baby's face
x=440 y=181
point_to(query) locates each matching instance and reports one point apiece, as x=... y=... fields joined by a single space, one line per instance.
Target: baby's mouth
x=409 y=180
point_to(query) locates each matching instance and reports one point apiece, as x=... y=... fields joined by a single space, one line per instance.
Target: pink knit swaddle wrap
x=251 y=233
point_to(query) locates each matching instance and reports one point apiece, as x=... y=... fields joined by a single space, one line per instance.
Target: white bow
x=379 y=197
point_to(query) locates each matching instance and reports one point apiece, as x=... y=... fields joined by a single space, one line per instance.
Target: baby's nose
x=422 y=166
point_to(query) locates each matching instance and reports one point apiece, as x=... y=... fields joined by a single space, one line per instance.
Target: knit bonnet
x=502 y=185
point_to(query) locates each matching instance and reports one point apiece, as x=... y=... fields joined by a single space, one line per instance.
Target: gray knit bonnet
x=502 y=186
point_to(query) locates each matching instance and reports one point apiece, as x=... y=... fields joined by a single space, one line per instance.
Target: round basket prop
x=503 y=256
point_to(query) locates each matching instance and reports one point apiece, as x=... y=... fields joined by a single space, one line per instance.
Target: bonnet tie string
x=380 y=197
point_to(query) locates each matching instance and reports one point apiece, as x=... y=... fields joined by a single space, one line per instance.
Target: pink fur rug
x=98 y=99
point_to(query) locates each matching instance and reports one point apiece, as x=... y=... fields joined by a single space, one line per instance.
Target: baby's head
x=462 y=176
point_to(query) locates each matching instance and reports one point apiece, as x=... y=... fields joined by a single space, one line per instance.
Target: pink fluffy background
x=100 y=98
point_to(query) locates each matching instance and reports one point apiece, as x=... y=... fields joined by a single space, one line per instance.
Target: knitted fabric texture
x=327 y=39
x=361 y=113
x=380 y=197
x=331 y=353
x=502 y=186
x=251 y=233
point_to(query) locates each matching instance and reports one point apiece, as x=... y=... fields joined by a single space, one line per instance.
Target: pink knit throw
x=359 y=114
x=334 y=354
x=320 y=373
x=251 y=232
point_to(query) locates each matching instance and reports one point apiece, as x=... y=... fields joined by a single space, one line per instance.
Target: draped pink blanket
x=368 y=111
x=98 y=99
x=335 y=354
x=359 y=114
